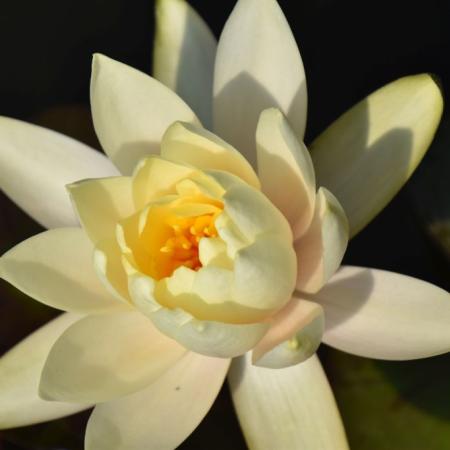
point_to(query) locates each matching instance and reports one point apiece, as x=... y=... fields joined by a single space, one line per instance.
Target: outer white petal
x=55 y=268
x=164 y=414
x=286 y=170
x=258 y=66
x=102 y=203
x=218 y=339
x=20 y=371
x=385 y=315
x=106 y=356
x=36 y=164
x=202 y=149
x=291 y=408
x=367 y=154
x=183 y=55
x=294 y=335
x=321 y=249
x=131 y=111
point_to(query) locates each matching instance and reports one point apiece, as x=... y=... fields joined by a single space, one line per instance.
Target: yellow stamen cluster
x=187 y=232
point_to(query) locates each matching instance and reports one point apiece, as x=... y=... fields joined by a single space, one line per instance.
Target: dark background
x=349 y=48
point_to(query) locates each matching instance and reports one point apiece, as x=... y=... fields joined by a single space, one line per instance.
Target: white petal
x=55 y=268
x=178 y=399
x=265 y=273
x=367 y=154
x=20 y=371
x=110 y=270
x=253 y=214
x=321 y=249
x=102 y=203
x=218 y=339
x=291 y=408
x=294 y=335
x=36 y=164
x=204 y=150
x=155 y=177
x=183 y=55
x=103 y=357
x=385 y=315
x=258 y=66
x=286 y=170
x=131 y=111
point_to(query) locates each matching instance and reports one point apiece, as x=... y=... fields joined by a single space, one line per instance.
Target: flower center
x=167 y=234
x=182 y=246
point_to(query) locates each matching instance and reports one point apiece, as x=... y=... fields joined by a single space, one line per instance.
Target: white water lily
x=154 y=330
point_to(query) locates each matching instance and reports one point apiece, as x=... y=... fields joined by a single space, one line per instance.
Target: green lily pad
x=390 y=405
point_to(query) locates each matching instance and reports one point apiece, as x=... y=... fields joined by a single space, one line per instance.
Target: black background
x=349 y=49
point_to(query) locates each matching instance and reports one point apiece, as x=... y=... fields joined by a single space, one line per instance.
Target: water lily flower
x=199 y=247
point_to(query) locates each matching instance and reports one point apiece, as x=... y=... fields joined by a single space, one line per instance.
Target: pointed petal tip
x=403 y=115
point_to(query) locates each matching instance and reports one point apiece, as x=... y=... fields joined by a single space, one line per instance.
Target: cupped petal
x=131 y=111
x=286 y=170
x=385 y=315
x=155 y=177
x=252 y=212
x=55 y=267
x=258 y=66
x=36 y=164
x=210 y=338
x=207 y=294
x=183 y=55
x=139 y=421
x=20 y=371
x=103 y=357
x=321 y=249
x=110 y=270
x=101 y=203
x=294 y=335
x=291 y=408
x=368 y=153
x=265 y=273
x=202 y=149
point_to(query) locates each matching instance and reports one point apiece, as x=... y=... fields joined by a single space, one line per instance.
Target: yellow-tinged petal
x=181 y=397
x=218 y=339
x=291 y=408
x=322 y=247
x=258 y=66
x=201 y=148
x=213 y=251
x=103 y=357
x=286 y=170
x=53 y=160
x=367 y=154
x=294 y=335
x=253 y=214
x=264 y=273
x=183 y=55
x=109 y=268
x=55 y=267
x=155 y=177
x=131 y=111
x=207 y=295
x=20 y=371
x=385 y=315
x=101 y=203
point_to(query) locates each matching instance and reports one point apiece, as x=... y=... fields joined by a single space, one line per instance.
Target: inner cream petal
x=206 y=295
